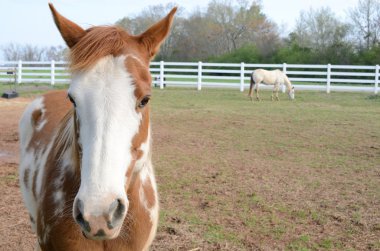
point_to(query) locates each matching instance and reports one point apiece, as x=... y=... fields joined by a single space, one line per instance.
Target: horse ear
x=70 y=31
x=156 y=34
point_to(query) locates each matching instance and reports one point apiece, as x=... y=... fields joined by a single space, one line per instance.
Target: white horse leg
x=277 y=88
x=257 y=90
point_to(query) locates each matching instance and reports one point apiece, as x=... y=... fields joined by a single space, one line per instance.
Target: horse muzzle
x=104 y=226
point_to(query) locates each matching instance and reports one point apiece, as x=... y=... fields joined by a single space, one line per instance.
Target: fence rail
x=200 y=74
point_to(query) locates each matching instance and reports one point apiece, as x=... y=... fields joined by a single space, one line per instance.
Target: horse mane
x=67 y=138
x=99 y=41
x=287 y=82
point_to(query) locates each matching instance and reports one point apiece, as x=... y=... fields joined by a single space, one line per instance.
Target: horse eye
x=71 y=99
x=144 y=101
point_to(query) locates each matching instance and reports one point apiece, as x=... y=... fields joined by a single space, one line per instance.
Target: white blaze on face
x=108 y=121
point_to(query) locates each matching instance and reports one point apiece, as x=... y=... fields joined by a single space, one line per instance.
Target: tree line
x=240 y=31
x=28 y=52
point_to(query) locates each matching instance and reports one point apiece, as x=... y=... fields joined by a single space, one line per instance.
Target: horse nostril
x=84 y=235
x=120 y=209
x=117 y=211
x=82 y=222
x=79 y=216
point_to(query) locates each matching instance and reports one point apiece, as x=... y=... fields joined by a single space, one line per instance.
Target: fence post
x=161 y=74
x=328 y=78
x=377 y=79
x=284 y=71
x=242 y=77
x=199 y=75
x=52 y=72
x=19 y=72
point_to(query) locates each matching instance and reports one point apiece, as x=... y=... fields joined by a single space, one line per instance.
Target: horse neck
x=287 y=82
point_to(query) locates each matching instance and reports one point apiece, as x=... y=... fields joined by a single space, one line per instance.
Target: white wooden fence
x=305 y=77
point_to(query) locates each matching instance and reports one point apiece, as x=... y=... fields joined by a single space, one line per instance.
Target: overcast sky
x=29 y=21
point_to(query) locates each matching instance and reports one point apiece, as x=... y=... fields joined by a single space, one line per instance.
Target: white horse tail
x=252 y=83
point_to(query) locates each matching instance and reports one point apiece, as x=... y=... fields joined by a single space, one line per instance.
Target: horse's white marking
x=145 y=168
x=66 y=163
x=144 y=172
x=153 y=213
x=106 y=109
x=143 y=165
x=25 y=126
x=35 y=161
x=40 y=164
x=27 y=161
x=32 y=159
x=59 y=197
x=42 y=123
x=58 y=183
x=143 y=199
x=46 y=233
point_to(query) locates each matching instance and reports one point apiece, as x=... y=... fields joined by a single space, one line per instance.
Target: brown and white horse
x=85 y=171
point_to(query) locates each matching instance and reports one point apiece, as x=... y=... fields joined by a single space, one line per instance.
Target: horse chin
x=97 y=237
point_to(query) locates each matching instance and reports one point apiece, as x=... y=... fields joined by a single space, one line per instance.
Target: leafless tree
x=224 y=26
x=150 y=15
x=365 y=20
x=319 y=29
x=27 y=52
x=57 y=53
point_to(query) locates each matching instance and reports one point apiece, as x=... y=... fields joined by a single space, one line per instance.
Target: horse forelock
x=102 y=41
x=99 y=41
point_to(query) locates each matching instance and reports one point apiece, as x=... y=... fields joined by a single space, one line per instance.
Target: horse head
x=291 y=93
x=110 y=92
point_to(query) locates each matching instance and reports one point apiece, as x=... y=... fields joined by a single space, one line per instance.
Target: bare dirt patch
x=15 y=232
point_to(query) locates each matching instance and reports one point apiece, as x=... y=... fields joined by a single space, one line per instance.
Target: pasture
x=241 y=175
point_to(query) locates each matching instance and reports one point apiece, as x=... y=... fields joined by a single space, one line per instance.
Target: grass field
x=240 y=175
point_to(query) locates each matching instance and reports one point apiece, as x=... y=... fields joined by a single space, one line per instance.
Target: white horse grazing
x=275 y=77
